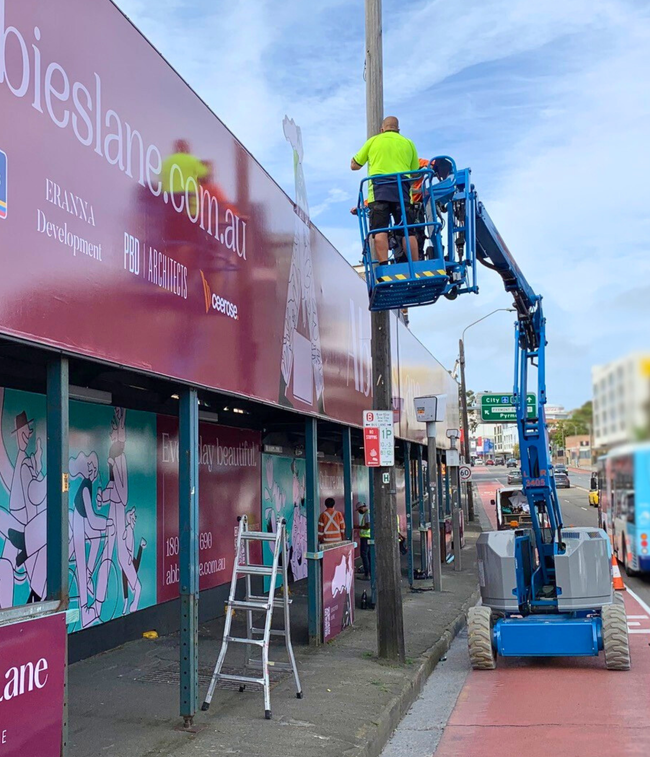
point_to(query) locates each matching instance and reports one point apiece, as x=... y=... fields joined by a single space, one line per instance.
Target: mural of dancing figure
x=86 y=528
x=298 y=560
x=116 y=495
x=302 y=360
x=24 y=527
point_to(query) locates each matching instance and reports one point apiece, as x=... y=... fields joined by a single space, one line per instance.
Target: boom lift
x=546 y=590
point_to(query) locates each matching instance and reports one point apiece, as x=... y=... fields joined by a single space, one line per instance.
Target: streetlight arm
x=498 y=310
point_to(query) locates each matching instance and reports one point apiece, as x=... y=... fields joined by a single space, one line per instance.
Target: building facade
x=621 y=395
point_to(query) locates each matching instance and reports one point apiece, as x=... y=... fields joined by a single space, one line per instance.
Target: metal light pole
x=390 y=621
x=463 y=392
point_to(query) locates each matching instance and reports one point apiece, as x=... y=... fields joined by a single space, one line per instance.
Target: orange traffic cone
x=617 y=579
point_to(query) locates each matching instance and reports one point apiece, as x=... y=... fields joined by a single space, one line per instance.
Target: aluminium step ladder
x=257 y=604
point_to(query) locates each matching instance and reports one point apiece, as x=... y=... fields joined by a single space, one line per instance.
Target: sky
x=547 y=102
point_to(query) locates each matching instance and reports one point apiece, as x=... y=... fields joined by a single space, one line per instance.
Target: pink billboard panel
x=229 y=486
x=32 y=671
x=338 y=589
x=137 y=230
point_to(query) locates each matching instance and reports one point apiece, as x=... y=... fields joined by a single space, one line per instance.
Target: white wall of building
x=620 y=391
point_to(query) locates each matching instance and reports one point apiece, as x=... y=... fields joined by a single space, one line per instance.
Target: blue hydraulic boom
x=533 y=601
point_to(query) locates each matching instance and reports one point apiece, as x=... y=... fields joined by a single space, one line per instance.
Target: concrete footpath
x=125 y=702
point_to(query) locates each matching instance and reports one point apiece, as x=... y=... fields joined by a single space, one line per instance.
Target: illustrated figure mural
x=301 y=351
x=342 y=584
x=86 y=528
x=298 y=547
x=24 y=525
x=282 y=502
x=116 y=495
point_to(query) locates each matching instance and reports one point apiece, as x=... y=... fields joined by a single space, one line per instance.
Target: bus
x=624 y=504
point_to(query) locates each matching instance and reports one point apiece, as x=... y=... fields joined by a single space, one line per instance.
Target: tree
x=579 y=423
x=472 y=418
x=515 y=451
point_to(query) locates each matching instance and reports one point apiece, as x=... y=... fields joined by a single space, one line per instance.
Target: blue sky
x=547 y=102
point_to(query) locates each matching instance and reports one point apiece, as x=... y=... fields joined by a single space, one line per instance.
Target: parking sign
x=378 y=430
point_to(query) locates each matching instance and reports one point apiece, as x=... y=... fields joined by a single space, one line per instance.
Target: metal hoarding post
x=189 y=552
x=422 y=515
x=435 y=495
x=409 y=510
x=313 y=512
x=347 y=483
x=57 y=454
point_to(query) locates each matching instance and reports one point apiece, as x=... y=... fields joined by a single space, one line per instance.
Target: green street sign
x=500 y=408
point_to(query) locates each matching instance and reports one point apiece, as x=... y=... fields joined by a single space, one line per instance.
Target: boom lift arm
x=551 y=588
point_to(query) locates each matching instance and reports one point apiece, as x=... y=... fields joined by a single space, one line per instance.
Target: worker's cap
x=361 y=506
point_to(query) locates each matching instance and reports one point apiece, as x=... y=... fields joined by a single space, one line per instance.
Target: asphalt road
x=573 y=501
x=575 y=512
x=568 y=707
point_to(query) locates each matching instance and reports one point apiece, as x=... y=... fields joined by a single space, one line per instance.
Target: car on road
x=499 y=461
x=561 y=469
x=511 y=462
x=514 y=477
x=562 y=479
x=489 y=462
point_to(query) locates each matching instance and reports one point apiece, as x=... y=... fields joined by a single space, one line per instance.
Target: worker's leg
x=379 y=217
x=413 y=242
x=381 y=247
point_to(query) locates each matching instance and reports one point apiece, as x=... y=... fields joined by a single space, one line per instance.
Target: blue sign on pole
x=3 y=184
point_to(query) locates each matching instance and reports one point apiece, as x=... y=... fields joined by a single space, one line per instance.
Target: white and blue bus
x=624 y=504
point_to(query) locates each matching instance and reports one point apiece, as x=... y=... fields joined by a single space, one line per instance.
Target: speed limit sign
x=465 y=473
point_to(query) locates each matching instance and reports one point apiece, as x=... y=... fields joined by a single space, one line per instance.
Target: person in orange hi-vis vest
x=331 y=524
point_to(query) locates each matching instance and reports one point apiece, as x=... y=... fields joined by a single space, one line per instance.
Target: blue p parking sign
x=3 y=184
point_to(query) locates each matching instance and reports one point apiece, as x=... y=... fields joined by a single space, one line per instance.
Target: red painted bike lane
x=565 y=707
x=486 y=490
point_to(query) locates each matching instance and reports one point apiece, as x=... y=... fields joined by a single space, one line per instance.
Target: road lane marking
x=637 y=617
x=633 y=623
x=584 y=508
x=575 y=486
x=634 y=595
x=638 y=630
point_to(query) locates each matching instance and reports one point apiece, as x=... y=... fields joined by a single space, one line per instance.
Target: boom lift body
x=546 y=591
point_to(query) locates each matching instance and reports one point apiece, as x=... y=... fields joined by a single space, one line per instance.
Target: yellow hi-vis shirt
x=386 y=153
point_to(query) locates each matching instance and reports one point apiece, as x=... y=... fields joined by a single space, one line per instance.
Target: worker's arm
x=415 y=162
x=361 y=158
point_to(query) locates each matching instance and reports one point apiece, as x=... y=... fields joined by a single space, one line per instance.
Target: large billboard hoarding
x=137 y=230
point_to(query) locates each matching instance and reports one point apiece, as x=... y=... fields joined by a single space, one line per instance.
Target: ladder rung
x=255 y=570
x=241 y=604
x=273 y=631
x=276 y=602
x=237 y=640
x=258 y=536
x=241 y=679
x=272 y=664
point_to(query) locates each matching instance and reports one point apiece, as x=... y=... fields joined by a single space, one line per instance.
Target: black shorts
x=381 y=212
